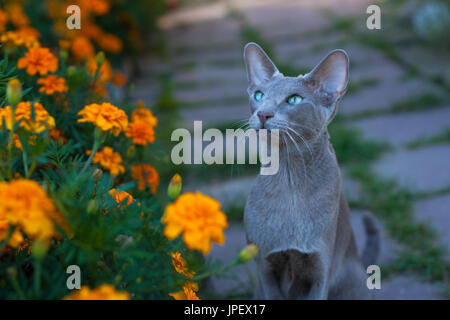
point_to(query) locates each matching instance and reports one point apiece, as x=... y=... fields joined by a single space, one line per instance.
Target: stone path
x=205 y=44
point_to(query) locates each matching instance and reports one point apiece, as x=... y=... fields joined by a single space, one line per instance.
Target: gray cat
x=298 y=217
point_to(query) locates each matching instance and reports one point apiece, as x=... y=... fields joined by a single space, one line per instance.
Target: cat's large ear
x=331 y=74
x=259 y=66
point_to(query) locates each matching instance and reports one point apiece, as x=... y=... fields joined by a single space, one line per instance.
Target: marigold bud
x=97 y=174
x=63 y=55
x=100 y=58
x=248 y=253
x=92 y=206
x=11 y=272
x=174 y=187
x=140 y=105
x=14 y=91
x=131 y=152
x=71 y=71
x=39 y=249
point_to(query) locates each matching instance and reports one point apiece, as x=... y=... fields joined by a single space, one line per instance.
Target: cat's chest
x=278 y=219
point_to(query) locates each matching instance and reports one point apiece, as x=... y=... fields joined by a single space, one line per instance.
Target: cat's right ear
x=259 y=67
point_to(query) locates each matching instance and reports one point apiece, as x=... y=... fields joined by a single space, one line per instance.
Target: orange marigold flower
x=110 y=42
x=141 y=133
x=143 y=114
x=119 y=79
x=104 y=71
x=17 y=15
x=120 y=196
x=25 y=204
x=187 y=292
x=42 y=119
x=3 y=20
x=180 y=265
x=109 y=160
x=105 y=116
x=104 y=292
x=98 y=7
x=199 y=218
x=145 y=175
x=82 y=48
x=91 y=30
x=52 y=84
x=57 y=135
x=38 y=60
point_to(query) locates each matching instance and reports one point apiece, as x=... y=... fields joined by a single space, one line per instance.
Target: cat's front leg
x=269 y=287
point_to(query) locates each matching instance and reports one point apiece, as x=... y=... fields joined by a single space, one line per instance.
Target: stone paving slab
x=213 y=32
x=436 y=211
x=402 y=128
x=215 y=115
x=214 y=93
x=424 y=169
x=407 y=287
x=202 y=75
x=385 y=95
x=272 y=18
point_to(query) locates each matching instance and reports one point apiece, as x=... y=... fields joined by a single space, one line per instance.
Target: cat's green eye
x=294 y=99
x=259 y=96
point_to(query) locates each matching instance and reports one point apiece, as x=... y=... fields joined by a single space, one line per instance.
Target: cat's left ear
x=331 y=74
x=260 y=68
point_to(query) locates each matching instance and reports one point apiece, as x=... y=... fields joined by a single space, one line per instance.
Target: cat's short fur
x=298 y=217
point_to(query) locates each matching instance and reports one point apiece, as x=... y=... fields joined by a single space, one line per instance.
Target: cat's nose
x=263 y=116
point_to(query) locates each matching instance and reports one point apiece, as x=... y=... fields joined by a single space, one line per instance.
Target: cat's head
x=305 y=104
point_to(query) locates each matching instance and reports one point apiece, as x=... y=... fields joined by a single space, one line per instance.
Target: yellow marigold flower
x=25 y=204
x=104 y=292
x=187 y=292
x=120 y=196
x=82 y=48
x=38 y=60
x=27 y=37
x=180 y=265
x=199 y=218
x=145 y=175
x=110 y=42
x=52 y=84
x=105 y=116
x=109 y=160
x=42 y=119
x=104 y=71
x=142 y=114
x=141 y=133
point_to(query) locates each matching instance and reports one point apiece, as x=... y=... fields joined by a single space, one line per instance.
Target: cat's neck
x=307 y=165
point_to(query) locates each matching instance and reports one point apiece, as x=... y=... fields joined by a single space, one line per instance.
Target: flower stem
x=37 y=276
x=18 y=289
x=97 y=140
x=217 y=271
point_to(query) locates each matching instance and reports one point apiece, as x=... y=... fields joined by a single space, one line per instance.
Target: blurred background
x=392 y=135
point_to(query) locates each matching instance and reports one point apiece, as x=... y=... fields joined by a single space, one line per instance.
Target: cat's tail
x=372 y=246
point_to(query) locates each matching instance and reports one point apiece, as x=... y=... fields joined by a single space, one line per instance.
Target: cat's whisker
x=303 y=160
x=303 y=140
